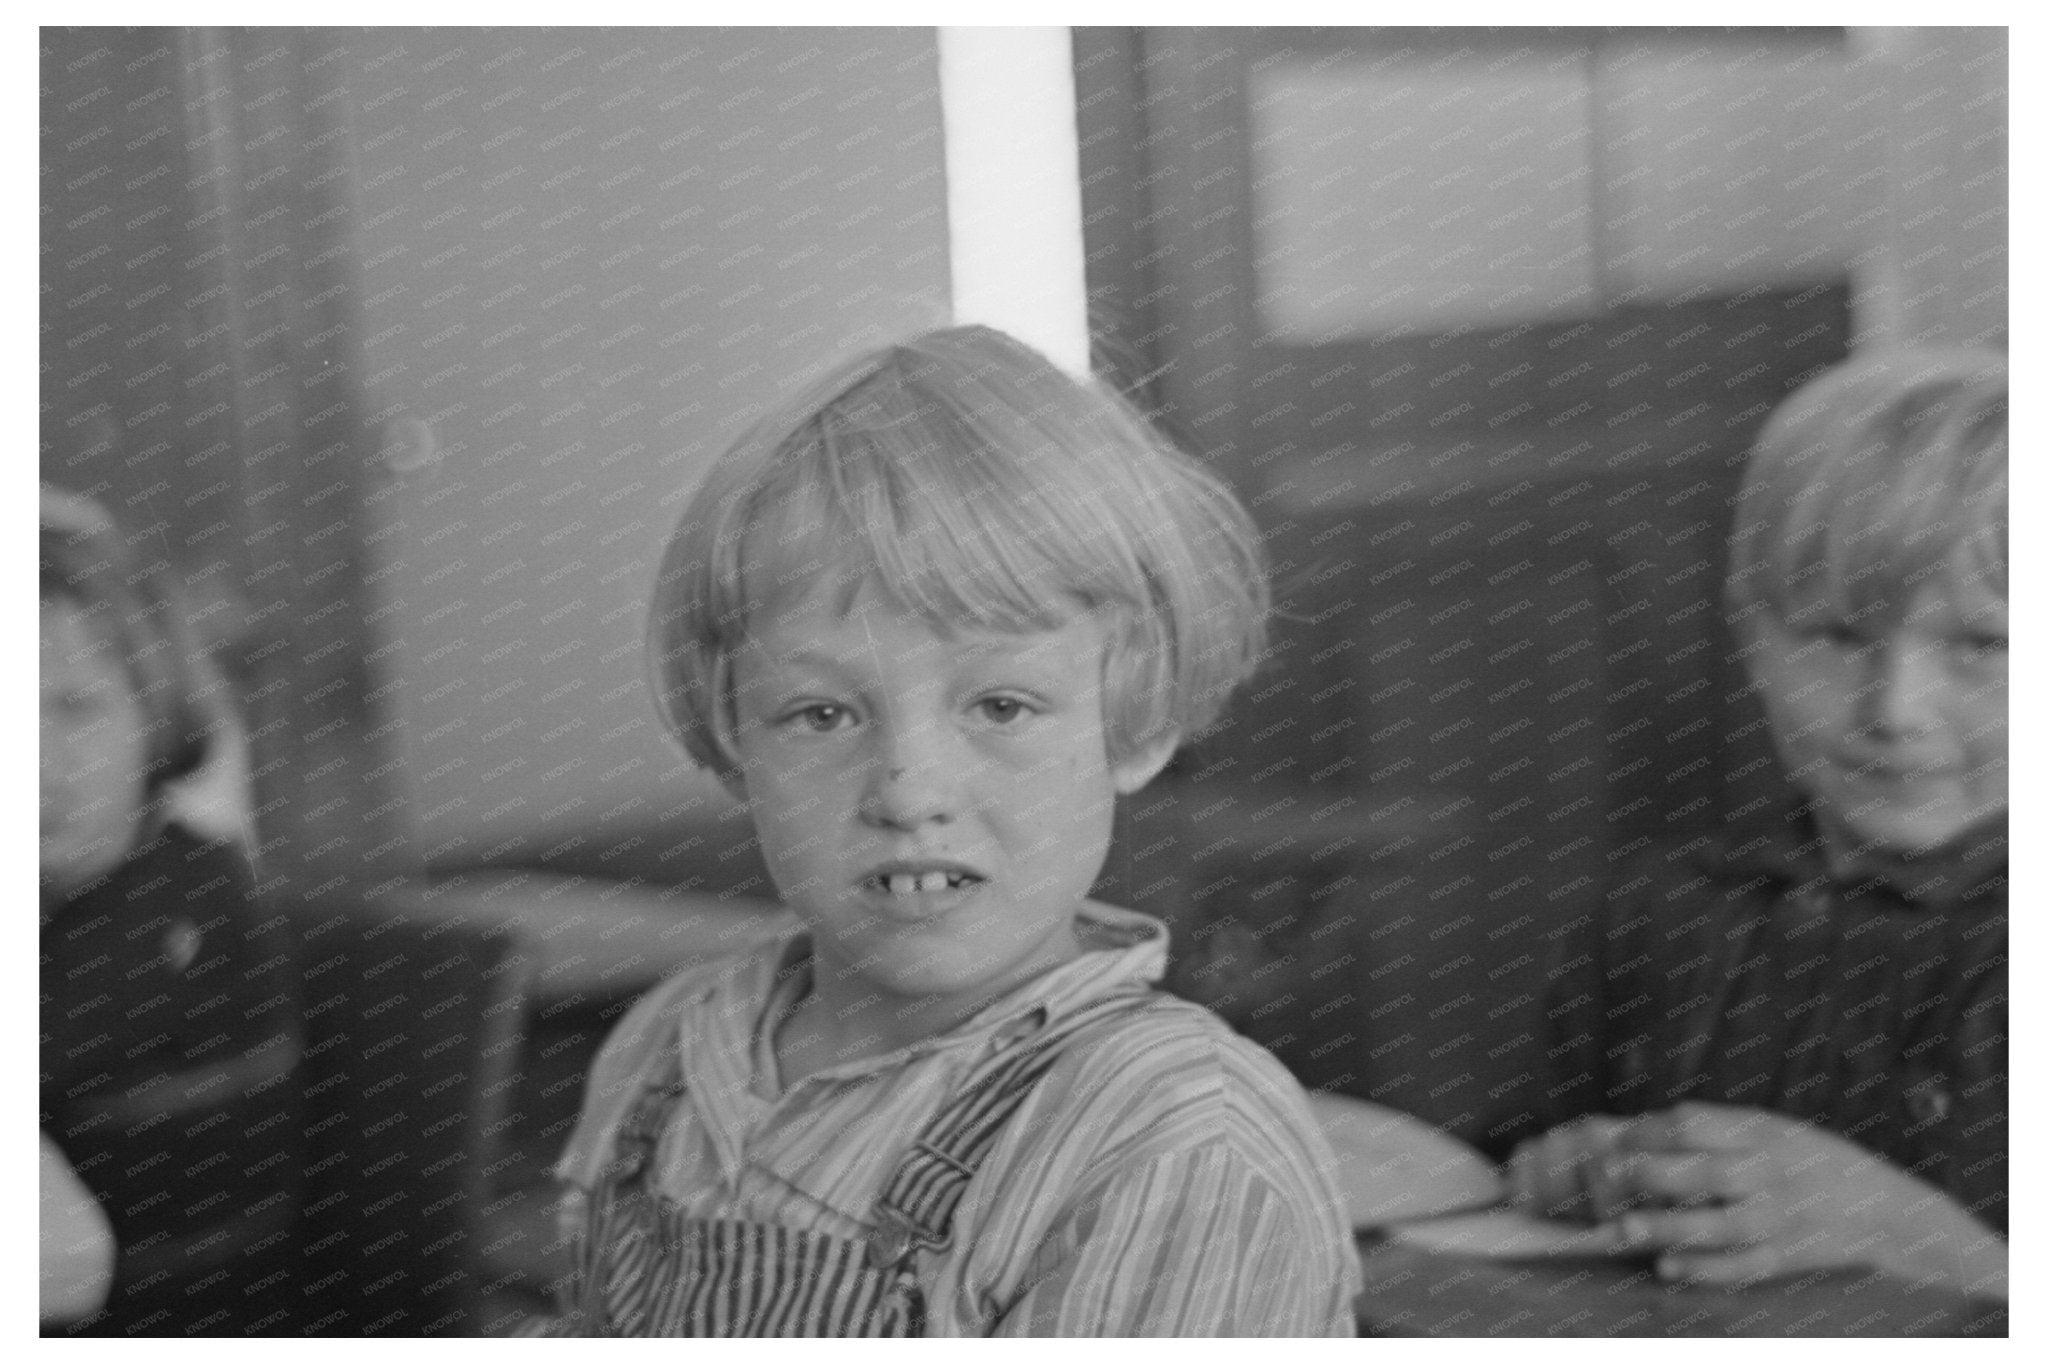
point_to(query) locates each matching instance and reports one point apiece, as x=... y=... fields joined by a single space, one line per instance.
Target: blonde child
x=1798 y=1041
x=929 y=622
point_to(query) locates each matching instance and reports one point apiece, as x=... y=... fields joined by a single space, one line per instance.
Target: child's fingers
x=1553 y=1173
x=1699 y=1125
x=1692 y=1230
x=1679 y=1179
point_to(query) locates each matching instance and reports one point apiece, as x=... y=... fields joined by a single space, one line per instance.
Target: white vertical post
x=1013 y=186
x=1877 y=285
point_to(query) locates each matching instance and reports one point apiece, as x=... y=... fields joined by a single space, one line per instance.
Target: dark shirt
x=170 y=1036
x=1741 y=971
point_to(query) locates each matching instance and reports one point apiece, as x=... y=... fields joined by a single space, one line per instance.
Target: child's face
x=1898 y=731
x=933 y=806
x=94 y=749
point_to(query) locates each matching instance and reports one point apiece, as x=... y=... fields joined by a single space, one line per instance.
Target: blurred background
x=402 y=349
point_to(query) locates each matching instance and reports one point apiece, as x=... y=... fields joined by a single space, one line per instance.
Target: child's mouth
x=906 y=884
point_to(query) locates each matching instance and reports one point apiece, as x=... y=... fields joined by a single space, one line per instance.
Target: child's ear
x=1131 y=772
x=727 y=769
x=734 y=783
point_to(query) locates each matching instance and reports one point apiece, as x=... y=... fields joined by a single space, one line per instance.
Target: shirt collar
x=1120 y=948
x=1792 y=850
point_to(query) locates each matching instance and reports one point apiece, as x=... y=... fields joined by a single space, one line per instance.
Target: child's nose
x=915 y=780
x=1903 y=692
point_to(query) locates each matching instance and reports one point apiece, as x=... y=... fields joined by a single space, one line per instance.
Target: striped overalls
x=644 y=1269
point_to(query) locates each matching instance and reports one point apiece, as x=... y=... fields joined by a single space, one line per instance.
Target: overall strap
x=915 y=1210
x=645 y=1119
x=586 y=1308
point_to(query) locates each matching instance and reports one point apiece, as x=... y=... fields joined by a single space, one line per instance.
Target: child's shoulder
x=1169 y=1085
x=634 y=1051
x=1171 y=1054
x=737 y=981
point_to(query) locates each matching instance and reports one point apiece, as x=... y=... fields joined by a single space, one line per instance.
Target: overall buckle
x=895 y=1238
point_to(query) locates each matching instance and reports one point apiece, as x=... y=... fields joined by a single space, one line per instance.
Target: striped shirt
x=1164 y=1178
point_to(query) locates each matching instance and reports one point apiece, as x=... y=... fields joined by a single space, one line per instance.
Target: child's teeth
x=910 y=883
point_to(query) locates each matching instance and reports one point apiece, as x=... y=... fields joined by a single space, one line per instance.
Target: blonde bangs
x=1871 y=481
x=938 y=522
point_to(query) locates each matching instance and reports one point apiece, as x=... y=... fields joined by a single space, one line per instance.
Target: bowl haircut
x=976 y=487
x=86 y=562
x=1872 y=478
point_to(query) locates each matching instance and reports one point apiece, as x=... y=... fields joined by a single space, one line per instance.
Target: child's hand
x=1722 y=1194
x=1562 y=1172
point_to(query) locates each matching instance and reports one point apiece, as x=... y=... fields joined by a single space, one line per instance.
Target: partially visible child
x=929 y=622
x=1796 y=1044
x=169 y=1022
x=75 y=1248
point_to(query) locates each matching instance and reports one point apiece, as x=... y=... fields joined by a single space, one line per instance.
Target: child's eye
x=1841 y=634
x=1003 y=710
x=1841 y=639
x=1982 y=648
x=821 y=717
